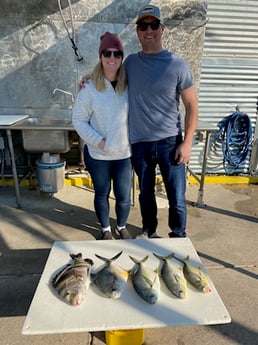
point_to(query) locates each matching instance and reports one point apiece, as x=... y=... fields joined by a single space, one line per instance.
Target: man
x=156 y=80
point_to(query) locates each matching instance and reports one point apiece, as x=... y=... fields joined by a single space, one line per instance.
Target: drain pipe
x=71 y=36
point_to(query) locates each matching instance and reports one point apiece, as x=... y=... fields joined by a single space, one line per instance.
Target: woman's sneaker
x=123 y=233
x=107 y=235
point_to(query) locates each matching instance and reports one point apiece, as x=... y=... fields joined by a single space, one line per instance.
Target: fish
x=195 y=275
x=173 y=276
x=145 y=280
x=73 y=280
x=110 y=278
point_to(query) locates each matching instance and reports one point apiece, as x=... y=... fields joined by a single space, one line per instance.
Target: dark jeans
x=102 y=173
x=145 y=157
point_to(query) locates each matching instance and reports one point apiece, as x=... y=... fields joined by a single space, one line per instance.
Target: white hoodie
x=101 y=115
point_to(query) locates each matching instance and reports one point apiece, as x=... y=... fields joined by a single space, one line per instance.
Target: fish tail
x=166 y=257
x=136 y=261
x=89 y=261
x=159 y=256
x=109 y=259
x=76 y=256
x=181 y=260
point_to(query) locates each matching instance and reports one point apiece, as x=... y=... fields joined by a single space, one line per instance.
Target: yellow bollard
x=125 y=337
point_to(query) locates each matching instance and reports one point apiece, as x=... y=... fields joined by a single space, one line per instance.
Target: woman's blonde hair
x=98 y=78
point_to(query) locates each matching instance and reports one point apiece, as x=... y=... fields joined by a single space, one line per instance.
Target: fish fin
x=200 y=273
x=177 y=277
x=156 y=277
x=60 y=273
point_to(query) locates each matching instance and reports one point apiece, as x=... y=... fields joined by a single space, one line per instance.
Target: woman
x=100 y=118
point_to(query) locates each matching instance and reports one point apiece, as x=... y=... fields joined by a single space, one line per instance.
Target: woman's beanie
x=109 y=40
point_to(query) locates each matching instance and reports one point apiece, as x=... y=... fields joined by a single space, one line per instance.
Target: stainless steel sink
x=46 y=122
x=46 y=134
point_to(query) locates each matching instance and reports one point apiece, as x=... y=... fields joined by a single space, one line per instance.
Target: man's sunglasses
x=144 y=26
x=117 y=53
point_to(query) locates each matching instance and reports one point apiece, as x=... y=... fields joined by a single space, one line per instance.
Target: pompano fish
x=110 y=278
x=173 y=276
x=195 y=275
x=73 y=280
x=145 y=280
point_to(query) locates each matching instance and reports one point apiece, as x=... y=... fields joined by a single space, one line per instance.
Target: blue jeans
x=102 y=173
x=145 y=157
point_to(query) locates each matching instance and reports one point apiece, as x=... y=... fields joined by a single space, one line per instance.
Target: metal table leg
x=14 y=170
x=200 y=202
x=133 y=188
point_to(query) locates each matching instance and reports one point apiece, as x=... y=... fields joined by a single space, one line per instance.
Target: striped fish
x=73 y=280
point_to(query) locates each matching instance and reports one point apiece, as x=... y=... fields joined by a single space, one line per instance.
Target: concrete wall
x=36 y=55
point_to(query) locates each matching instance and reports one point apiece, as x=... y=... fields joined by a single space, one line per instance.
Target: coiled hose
x=235 y=134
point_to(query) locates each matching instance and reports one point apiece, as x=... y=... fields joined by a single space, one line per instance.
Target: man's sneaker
x=174 y=235
x=154 y=235
x=107 y=235
x=123 y=233
x=145 y=234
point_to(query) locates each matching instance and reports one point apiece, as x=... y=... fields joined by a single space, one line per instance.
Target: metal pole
x=15 y=177
x=199 y=202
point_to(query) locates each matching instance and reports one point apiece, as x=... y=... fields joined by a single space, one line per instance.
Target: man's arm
x=190 y=101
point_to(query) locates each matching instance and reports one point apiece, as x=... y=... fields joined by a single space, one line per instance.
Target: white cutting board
x=49 y=314
x=8 y=120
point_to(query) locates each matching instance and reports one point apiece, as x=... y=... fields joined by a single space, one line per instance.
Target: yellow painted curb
x=81 y=181
x=226 y=179
x=8 y=182
x=78 y=181
x=86 y=181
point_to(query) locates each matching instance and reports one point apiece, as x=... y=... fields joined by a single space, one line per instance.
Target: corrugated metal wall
x=229 y=76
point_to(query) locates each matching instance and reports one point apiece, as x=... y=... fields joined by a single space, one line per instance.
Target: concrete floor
x=224 y=233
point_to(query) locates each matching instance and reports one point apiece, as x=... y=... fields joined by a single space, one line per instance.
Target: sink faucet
x=63 y=91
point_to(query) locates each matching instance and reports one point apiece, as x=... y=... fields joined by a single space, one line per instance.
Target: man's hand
x=183 y=153
x=85 y=79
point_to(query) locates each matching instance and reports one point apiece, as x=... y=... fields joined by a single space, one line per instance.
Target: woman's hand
x=101 y=144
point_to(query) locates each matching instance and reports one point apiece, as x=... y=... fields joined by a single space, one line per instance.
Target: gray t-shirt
x=155 y=81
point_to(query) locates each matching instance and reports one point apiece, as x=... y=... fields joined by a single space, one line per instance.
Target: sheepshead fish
x=73 y=280
x=195 y=275
x=145 y=280
x=173 y=276
x=110 y=278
